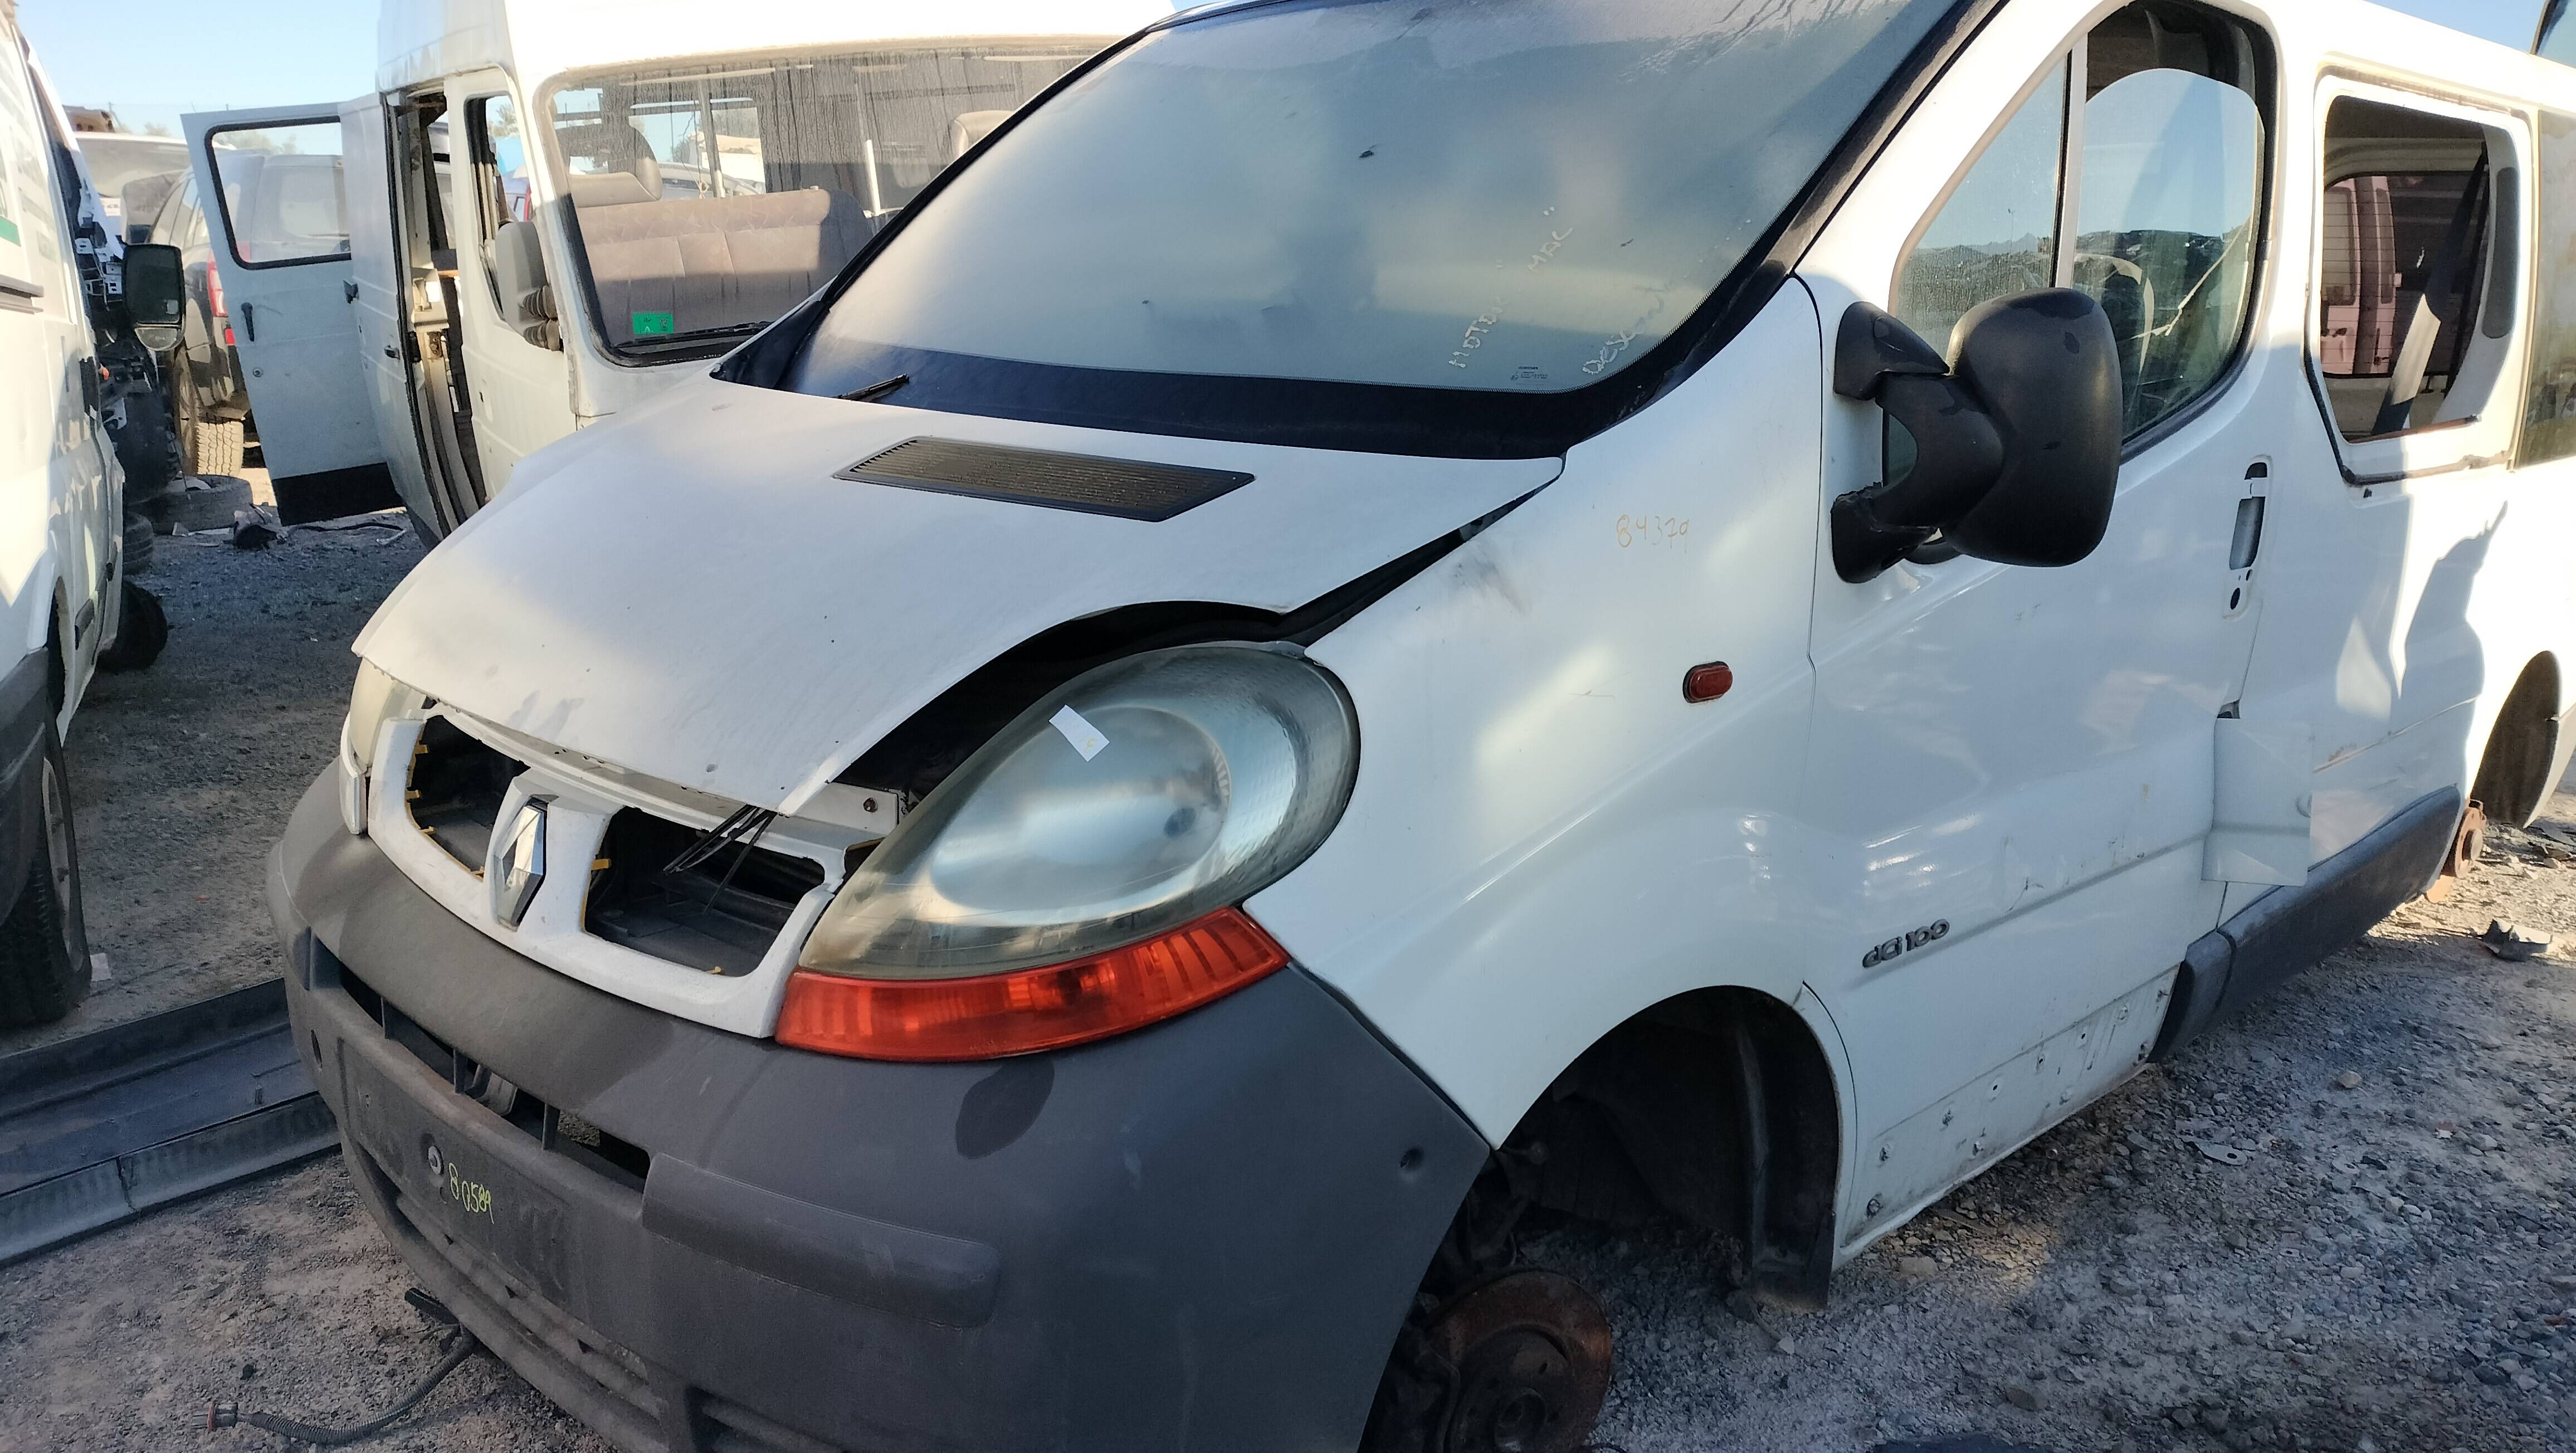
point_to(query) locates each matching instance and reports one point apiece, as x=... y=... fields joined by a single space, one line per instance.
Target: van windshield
x=713 y=196
x=1515 y=197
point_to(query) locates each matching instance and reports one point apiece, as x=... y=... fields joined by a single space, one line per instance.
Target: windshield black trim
x=1361 y=417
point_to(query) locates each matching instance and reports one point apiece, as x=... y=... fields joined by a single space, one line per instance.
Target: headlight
x=1078 y=876
x=372 y=701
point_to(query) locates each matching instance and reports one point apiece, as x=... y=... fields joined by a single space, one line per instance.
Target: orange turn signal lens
x=1028 y=1010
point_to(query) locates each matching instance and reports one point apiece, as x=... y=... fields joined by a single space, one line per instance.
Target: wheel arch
x=2528 y=747
x=1722 y=1106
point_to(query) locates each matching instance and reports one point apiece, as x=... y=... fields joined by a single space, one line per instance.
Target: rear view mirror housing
x=2017 y=438
x=519 y=275
x=156 y=294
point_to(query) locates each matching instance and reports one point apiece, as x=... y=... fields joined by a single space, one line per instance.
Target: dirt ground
x=2342 y=1222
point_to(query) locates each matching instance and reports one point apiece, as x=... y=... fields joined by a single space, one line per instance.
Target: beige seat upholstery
x=606 y=189
x=687 y=265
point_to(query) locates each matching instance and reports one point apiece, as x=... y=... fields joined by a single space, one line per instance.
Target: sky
x=228 y=53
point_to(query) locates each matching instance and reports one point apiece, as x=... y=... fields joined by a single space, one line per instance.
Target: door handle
x=392 y=352
x=349 y=290
x=2247 y=542
x=250 y=325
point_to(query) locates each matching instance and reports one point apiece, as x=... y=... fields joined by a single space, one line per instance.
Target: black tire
x=428 y=532
x=142 y=541
x=142 y=630
x=208 y=502
x=204 y=447
x=44 y=942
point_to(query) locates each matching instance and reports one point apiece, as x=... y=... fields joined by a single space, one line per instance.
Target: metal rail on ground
x=102 y=1127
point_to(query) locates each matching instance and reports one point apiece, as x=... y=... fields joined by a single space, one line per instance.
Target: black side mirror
x=156 y=294
x=2017 y=442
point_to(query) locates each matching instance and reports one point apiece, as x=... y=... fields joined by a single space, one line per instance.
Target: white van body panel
x=60 y=486
x=1497 y=897
x=624 y=592
x=522 y=391
x=376 y=313
x=294 y=326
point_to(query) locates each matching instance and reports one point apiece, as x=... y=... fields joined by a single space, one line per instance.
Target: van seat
x=713 y=262
x=606 y=189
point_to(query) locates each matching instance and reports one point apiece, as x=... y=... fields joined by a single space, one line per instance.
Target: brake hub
x=1527 y=1358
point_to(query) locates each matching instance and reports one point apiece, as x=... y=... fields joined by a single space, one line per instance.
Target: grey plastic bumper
x=1201 y=1236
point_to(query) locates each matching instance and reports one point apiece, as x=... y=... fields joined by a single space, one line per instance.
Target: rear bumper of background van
x=1201 y=1236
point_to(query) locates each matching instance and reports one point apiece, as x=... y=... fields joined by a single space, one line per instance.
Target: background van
x=548 y=211
x=61 y=545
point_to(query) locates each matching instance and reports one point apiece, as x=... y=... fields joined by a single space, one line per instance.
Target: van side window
x=2165 y=218
x=281 y=192
x=2168 y=198
x=2549 y=410
x=1997 y=233
x=500 y=178
x=2404 y=219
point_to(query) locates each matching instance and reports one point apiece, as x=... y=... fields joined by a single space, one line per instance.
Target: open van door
x=277 y=204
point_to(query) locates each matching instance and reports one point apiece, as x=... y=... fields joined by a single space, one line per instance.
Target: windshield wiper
x=877 y=390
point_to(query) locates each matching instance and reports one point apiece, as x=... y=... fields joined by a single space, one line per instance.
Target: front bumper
x=1201 y=1236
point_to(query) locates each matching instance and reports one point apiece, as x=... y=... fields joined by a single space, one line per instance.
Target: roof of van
x=534 y=40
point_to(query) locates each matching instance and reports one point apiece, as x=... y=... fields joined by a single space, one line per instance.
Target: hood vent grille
x=1120 y=487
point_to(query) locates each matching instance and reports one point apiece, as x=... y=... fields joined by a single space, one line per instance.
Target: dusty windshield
x=1514 y=196
x=115 y=161
x=712 y=197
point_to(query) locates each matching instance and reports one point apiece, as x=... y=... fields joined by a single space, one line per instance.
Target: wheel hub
x=1531 y=1354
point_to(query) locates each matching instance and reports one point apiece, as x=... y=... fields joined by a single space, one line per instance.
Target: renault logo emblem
x=520 y=866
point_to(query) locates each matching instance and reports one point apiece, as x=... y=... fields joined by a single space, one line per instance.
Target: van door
x=2019 y=761
x=375 y=267
x=514 y=356
x=277 y=215
x=2389 y=512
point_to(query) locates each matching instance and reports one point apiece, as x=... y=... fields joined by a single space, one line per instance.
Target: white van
x=61 y=538
x=426 y=286
x=1385 y=614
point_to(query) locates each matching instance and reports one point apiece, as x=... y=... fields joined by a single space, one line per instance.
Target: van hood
x=690 y=593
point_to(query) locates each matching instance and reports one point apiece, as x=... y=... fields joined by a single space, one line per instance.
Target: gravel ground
x=183 y=773
x=2389 y=1263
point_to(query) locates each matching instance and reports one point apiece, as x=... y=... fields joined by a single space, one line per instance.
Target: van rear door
x=276 y=201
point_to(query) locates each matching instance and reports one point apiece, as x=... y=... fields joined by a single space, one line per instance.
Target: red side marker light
x=1707 y=683
x=1032 y=1009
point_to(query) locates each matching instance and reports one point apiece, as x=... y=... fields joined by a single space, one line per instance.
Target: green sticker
x=8 y=230
x=654 y=323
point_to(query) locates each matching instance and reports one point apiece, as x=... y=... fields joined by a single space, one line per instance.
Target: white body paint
x=61 y=490
x=1545 y=839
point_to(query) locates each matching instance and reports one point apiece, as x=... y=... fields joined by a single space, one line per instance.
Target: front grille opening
x=560 y=1131
x=455 y=791
x=718 y=916
x=623 y=1161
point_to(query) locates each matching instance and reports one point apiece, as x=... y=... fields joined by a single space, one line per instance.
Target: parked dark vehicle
x=207 y=400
